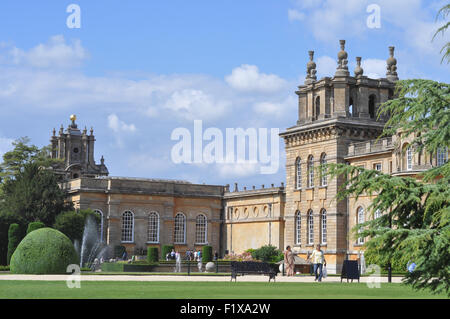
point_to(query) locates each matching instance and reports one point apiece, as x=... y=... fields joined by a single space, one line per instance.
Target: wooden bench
x=254 y=268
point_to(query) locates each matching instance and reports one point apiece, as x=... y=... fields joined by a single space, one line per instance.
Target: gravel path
x=246 y=278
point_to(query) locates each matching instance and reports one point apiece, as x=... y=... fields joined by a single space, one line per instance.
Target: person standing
x=289 y=261
x=318 y=260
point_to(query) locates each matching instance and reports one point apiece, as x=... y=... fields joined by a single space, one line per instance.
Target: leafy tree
x=23 y=153
x=34 y=195
x=443 y=12
x=415 y=224
x=72 y=223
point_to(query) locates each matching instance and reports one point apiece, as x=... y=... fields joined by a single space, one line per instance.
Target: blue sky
x=137 y=70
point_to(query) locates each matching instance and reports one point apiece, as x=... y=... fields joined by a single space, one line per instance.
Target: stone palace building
x=337 y=123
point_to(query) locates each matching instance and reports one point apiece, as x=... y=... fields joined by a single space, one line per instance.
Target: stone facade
x=112 y=197
x=254 y=218
x=337 y=123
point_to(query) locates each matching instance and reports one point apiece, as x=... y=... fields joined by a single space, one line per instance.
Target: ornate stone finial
x=61 y=130
x=102 y=161
x=311 y=69
x=92 y=131
x=54 y=132
x=73 y=118
x=236 y=187
x=85 y=131
x=391 y=67
x=342 y=69
x=358 y=70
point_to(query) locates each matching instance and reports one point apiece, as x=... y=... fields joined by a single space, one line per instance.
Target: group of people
x=193 y=255
x=317 y=257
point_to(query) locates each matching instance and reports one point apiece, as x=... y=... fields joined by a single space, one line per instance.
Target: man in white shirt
x=318 y=260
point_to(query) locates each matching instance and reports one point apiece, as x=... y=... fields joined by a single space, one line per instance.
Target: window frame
x=123 y=230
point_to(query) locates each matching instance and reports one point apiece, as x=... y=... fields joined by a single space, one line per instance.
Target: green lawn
x=205 y=290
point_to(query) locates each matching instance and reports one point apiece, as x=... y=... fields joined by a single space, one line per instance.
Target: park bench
x=254 y=268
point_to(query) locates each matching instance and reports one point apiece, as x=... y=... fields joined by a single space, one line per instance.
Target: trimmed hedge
x=207 y=254
x=123 y=267
x=14 y=238
x=165 y=250
x=44 y=251
x=33 y=226
x=152 y=254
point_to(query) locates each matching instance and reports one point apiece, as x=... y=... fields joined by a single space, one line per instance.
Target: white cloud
x=237 y=169
x=295 y=15
x=248 y=78
x=276 y=109
x=195 y=104
x=56 y=53
x=374 y=68
x=119 y=126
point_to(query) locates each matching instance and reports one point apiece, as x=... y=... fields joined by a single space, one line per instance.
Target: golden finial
x=73 y=117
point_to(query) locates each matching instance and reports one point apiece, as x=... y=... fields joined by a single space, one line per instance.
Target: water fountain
x=92 y=246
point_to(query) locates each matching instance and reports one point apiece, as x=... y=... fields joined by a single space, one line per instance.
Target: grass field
x=205 y=290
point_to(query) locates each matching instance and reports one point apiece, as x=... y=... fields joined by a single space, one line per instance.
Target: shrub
x=207 y=254
x=44 y=251
x=165 y=250
x=118 y=251
x=4 y=268
x=14 y=237
x=268 y=253
x=152 y=254
x=6 y=219
x=33 y=226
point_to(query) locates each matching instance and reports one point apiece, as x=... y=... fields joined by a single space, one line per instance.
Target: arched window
x=441 y=156
x=100 y=225
x=179 y=235
x=201 y=229
x=360 y=220
x=310 y=227
x=298 y=173
x=409 y=158
x=153 y=228
x=372 y=111
x=377 y=214
x=317 y=107
x=323 y=226
x=298 y=227
x=127 y=227
x=323 y=170
x=311 y=171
